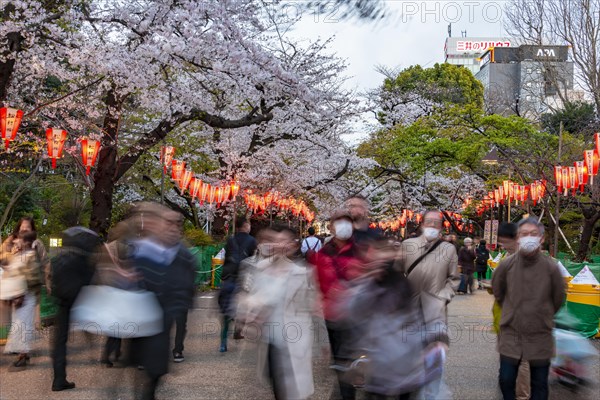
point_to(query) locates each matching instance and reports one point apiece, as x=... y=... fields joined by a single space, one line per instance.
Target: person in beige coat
x=530 y=289
x=278 y=314
x=435 y=278
x=431 y=266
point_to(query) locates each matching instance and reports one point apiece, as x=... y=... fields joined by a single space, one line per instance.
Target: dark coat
x=530 y=290
x=239 y=247
x=174 y=287
x=466 y=260
x=483 y=254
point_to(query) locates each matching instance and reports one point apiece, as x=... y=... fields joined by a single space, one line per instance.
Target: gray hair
x=532 y=221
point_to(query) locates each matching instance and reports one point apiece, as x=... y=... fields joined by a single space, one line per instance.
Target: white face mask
x=266 y=249
x=529 y=244
x=343 y=229
x=431 y=233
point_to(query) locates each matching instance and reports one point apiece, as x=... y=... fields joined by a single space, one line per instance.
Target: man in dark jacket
x=481 y=265
x=239 y=247
x=530 y=289
x=466 y=262
x=72 y=269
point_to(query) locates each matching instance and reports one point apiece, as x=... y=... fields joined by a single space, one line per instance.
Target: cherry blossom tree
x=133 y=74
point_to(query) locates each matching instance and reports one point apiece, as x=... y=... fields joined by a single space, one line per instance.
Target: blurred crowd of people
x=382 y=302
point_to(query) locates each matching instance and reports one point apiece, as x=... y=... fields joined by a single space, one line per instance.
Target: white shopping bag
x=108 y=311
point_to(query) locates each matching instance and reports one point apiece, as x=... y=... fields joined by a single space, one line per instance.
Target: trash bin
x=217 y=267
x=583 y=301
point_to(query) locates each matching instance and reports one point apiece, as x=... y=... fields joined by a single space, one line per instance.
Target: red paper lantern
x=177 y=168
x=166 y=156
x=56 y=141
x=582 y=175
x=10 y=120
x=89 y=152
x=566 y=181
x=597 y=142
x=517 y=193
x=418 y=218
x=185 y=179
x=235 y=188
x=558 y=177
x=211 y=194
x=573 y=180
x=204 y=192
x=226 y=192
x=195 y=187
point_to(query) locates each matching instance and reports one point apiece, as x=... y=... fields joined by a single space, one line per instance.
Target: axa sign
x=545 y=52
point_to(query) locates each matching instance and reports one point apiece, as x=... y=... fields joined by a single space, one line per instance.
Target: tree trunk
x=104 y=178
x=589 y=222
x=14 y=42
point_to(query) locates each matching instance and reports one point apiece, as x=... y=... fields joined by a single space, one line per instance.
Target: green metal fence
x=204 y=255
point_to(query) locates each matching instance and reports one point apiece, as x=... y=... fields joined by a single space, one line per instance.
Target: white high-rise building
x=467 y=51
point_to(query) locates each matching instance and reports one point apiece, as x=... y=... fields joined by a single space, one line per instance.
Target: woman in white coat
x=279 y=307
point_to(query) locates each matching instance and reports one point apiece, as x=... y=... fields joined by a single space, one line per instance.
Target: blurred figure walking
x=72 y=269
x=280 y=305
x=337 y=264
x=23 y=265
x=239 y=247
x=431 y=267
x=167 y=269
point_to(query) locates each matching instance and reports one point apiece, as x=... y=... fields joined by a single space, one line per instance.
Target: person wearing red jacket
x=337 y=263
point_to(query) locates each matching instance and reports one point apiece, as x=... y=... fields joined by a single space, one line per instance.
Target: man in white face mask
x=431 y=265
x=529 y=287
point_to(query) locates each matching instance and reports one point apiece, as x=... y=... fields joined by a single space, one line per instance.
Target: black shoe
x=178 y=357
x=237 y=335
x=60 y=386
x=106 y=363
x=21 y=361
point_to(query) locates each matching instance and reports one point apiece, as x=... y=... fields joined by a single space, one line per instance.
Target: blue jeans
x=509 y=369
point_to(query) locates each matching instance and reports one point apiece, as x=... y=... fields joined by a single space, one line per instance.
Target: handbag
x=109 y=311
x=12 y=287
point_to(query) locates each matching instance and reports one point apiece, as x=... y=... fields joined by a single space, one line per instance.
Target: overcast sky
x=414 y=35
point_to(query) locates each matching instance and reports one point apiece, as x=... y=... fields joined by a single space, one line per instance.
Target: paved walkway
x=208 y=374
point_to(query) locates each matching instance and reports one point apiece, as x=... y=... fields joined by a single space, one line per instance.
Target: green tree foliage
x=577 y=118
x=427 y=89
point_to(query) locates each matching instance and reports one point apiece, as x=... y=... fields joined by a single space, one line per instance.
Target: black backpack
x=482 y=257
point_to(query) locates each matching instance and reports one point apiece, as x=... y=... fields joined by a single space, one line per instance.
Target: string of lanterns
x=271 y=200
x=510 y=191
x=581 y=173
x=407 y=216
x=205 y=192
x=200 y=191
x=567 y=179
x=10 y=121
